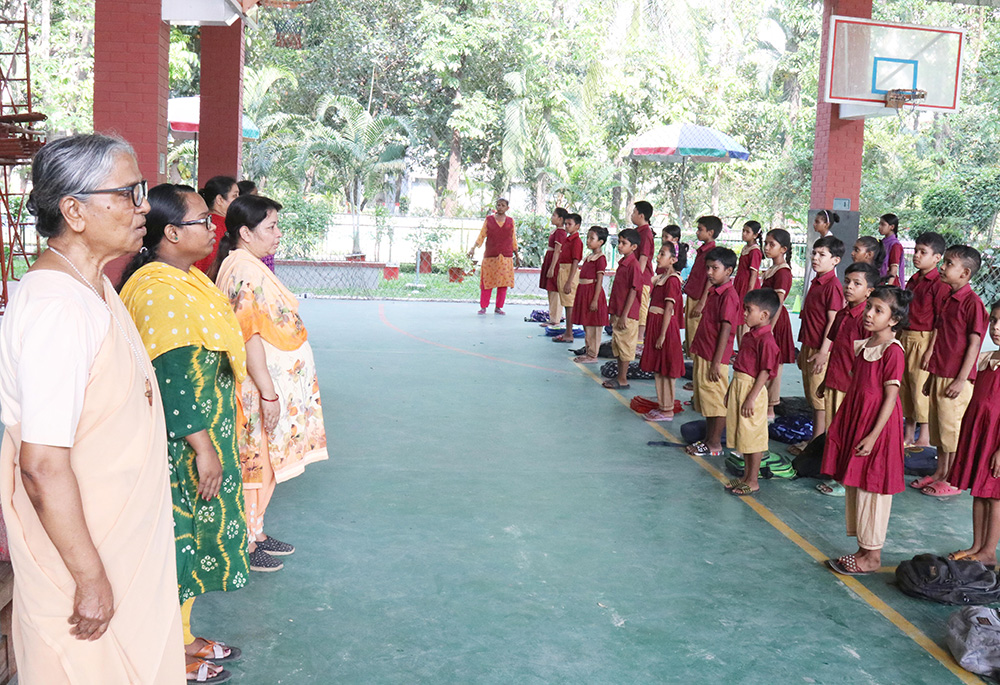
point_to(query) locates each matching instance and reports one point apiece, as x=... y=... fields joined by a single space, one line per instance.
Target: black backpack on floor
x=941 y=580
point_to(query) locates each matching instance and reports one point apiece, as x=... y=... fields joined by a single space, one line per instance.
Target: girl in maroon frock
x=864 y=445
x=977 y=461
x=747 y=275
x=662 y=353
x=590 y=308
x=777 y=248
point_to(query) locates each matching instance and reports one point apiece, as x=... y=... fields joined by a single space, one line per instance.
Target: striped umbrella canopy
x=684 y=142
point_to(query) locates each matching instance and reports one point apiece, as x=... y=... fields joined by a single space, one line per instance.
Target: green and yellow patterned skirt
x=199 y=393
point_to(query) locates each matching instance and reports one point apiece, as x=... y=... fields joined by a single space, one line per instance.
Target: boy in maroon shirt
x=929 y=294
x=623 y=307
x=642 y=212
x=958 y=336
x=696 y=288
x=823 y=300
x=746 y=401
x=567 y=277
x=712 y=347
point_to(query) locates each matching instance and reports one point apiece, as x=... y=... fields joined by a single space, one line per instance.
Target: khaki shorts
x=623 y=342
x=690 y=322
x=945 y=415
x=832 y=399
x=709 y=398
x=810 y=380
x=561 y=277
x=644 y=305
x=746 y=435
x=916 y=405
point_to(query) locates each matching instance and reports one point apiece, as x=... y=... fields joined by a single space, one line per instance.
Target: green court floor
x=490 y=514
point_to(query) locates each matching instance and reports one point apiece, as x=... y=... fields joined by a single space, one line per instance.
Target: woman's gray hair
x=69 y=167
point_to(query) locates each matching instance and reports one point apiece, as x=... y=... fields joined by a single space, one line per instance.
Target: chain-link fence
x=323 y=264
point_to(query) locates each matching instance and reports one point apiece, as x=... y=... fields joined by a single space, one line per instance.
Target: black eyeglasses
x=206 y=222
x=138 y=191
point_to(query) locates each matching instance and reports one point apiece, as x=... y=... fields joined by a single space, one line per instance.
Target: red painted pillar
x=220 y=136
x=838 y=148
x=839 y=143
x=131 y=85
x=132 y=79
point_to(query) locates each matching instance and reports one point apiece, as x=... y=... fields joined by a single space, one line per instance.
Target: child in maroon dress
x=777 y=248
x=859 y=281
x=864 y=445
x=591 y=306
x=977 y=462
x=662 y=352
x=747 y=275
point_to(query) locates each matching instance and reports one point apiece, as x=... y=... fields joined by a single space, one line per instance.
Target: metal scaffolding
x=19 y=141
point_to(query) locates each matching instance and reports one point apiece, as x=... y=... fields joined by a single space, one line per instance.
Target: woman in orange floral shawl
x=283 y=413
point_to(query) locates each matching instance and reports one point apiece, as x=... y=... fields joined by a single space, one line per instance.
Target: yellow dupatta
x=263 y=305
x=174 y=309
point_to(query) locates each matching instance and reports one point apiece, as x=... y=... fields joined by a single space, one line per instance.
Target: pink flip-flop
x=940 y=489
x=921 y=483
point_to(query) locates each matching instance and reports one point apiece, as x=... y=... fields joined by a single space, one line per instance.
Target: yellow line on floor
x=853 y=584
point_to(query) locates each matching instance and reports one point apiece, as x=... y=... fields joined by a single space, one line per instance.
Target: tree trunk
x=454 y=173
x=616 y=195
x=716 y=190
x=356 y=210
x=440 y=186
x=541 y=187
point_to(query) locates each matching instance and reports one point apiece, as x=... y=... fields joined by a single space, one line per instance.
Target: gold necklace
x=138 y=358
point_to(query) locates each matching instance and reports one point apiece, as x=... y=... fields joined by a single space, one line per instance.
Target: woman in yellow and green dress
x=197 y=350
x=284 y=415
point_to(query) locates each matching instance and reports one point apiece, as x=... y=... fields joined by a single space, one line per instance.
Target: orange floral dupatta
x=263 y=305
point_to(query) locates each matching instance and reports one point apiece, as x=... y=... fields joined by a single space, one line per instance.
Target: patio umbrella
x=184 y=115
x=683 y=142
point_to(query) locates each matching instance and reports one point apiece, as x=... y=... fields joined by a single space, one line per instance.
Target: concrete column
x=220 y=136
x=132 y=79
x=132 y=84
x=839 y=145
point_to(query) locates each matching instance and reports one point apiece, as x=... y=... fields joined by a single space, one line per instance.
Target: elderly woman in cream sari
x=284 y=415
x=83 y=469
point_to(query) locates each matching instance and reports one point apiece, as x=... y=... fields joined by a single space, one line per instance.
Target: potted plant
x=459 y=264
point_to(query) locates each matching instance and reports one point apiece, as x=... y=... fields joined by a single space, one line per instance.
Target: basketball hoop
x=898 y=97
x=288 y=33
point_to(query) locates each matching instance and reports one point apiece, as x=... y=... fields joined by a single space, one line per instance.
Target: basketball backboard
x=866 y=59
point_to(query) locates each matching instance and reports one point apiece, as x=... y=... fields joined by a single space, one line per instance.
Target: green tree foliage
x=542 y=95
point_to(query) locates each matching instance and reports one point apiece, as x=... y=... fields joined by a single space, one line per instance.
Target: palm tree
x=358 y=148
x=269 y=154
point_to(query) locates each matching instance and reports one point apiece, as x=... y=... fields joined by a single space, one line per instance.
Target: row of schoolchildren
x=871 y=352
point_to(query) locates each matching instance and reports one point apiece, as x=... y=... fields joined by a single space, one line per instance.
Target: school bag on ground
x=772 y=465
x=809 y=464
x=538 y=316
x=965 y=582
x=974 y=640
x=641 y=405
x=610 y=370
x=791 y=429
x=920 y=461
x=793 y=406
